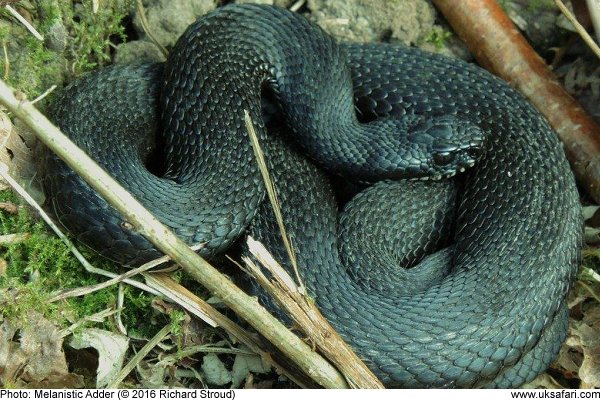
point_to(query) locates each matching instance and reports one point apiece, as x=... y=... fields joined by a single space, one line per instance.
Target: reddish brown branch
x=498 y=46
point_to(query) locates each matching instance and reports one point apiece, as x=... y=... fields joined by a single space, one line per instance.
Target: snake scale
x=455 y=278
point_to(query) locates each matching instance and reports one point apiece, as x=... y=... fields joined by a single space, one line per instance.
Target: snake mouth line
x=448 y=175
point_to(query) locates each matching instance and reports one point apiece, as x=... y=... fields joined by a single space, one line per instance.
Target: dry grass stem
x=202 y=348
x=179 y=295
x=23 y=21
x=146 y=26
x=135 y=360
x=590 y=290
x=297 y=5
x=591 y=273
x=580 y=29
x=272 y=194
x=6 y=61
x=594 y=9
x=97 y=317
x=120 y=307
x=124 y=277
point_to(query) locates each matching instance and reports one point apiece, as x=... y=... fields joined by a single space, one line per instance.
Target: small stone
x=138 y=51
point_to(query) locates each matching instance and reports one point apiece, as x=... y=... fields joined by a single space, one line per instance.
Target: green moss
x=438 y=37
x=4 y=33
x=34 y=70
x=34 y=67
x=177 y=320
x=42 y=265
x=49 y=11
x=93 y=33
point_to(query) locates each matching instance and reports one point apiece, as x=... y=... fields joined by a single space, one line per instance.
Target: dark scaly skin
x=113 y=116
x=496 y=319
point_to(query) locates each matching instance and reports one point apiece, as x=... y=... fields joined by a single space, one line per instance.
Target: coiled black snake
x=486 y=308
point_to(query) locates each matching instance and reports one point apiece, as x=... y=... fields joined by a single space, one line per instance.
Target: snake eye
x=442 y=158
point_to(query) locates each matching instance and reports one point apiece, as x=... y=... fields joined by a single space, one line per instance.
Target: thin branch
x=46 y=93
x=499 y=46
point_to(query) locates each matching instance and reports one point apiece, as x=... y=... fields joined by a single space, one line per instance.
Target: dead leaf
x=591 y=215
x=586 y=334
x=17 y=144
x=244 y=365
x=111 y=348
x=151 y=376
x=592 y=236
x=9 y=207
x=214 y=370
x=579 y=357
x=31 y=354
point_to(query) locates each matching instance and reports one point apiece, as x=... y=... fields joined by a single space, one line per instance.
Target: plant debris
x=31 y=354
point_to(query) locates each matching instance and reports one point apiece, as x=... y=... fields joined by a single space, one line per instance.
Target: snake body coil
x=485 y=308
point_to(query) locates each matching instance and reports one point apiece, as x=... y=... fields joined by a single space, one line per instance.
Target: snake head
x=449 y=145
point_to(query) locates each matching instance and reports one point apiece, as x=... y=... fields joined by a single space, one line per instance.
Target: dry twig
x=146 y=26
